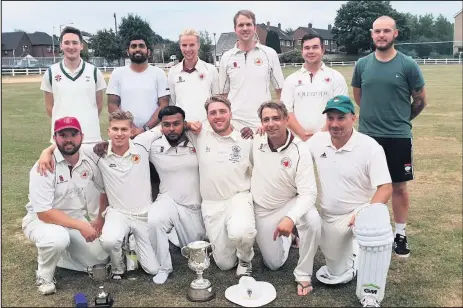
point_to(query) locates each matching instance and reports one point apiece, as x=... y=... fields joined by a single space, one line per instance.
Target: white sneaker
x=369 y=301
x=243 y=269
x=116 y=272
x=160 y=278
x=46 y=287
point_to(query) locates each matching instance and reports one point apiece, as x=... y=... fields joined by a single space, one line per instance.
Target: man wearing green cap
x=354 y=179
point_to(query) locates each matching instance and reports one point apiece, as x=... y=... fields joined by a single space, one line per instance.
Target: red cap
x=67 y=122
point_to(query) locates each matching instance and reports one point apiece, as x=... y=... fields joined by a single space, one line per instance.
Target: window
x=299 y=42
x=288 y=43
x=49 y=48
x=282 y=43
x=24 y=48
x=5 y=52
x=326 y=42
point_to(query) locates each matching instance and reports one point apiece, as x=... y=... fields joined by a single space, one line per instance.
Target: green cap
x=341 y=103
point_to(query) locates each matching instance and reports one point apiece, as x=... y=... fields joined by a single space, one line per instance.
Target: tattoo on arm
x=419 y=102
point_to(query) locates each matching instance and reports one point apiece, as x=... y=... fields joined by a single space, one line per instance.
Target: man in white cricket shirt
x=306 y=92
x=225 y=172
x=355 y=187
x=246 y=72
x=55 y=219
x=74 y=88
x=284 y=192
x=192 y=81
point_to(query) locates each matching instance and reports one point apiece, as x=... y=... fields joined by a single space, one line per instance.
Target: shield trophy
x=99 y=273
x=198 y=260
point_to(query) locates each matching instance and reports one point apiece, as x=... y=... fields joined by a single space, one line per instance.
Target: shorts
x=399 y=156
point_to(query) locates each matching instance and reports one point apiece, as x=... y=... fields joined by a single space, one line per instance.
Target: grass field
x=432 y=276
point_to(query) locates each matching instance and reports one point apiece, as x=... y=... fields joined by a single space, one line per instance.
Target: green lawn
x=432 y=276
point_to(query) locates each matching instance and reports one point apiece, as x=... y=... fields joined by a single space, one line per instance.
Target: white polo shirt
x=74 y=95
x=139 y=92
x=246 y=77
x=178 y=171
x=306 y=96
x=224 y=163
x=279 y=176
x=64 y=189
x=127 y=177
x=190 y=91
x=350 y=175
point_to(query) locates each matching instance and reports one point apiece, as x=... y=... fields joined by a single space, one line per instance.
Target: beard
x=174 y=138
x=138 y=59
x=62 y=149
x=384 y=48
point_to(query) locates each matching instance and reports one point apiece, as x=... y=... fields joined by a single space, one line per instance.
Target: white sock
x=160 y=278
x=400 y=228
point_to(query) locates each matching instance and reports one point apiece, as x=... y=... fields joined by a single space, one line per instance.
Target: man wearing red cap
x=55 y=219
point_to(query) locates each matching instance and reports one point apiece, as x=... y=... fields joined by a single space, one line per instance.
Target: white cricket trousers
x=275 y=253
x=118 y=225
x=166 y=214
x=54 y=242
x=230 y=226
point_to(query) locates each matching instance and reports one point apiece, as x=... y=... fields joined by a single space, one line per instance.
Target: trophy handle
x=108 y=270
x=212 y=249
x=185 y=251
x=89 y=271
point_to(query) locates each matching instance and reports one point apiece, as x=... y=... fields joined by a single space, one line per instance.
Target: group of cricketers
x=233 y=166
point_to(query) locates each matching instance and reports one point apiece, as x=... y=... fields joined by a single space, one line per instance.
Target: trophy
x=198 y=260
x=99 y=273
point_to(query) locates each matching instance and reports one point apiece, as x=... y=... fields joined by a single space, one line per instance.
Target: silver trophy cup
x=198 y=260
x=99 y=273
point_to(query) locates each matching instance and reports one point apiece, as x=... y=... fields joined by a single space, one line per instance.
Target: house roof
x=458 y=13
x=226 y=42
x=10 y=40
x=41 y=38
x=325 y=33
x=281 y=35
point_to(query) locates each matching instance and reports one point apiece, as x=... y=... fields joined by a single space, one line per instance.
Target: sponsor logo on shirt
x=84 y=174
x=208 y=149
x=180 y=79
x=87 y=78
x=258 y=62
x=112 y=165
x=235 y=156
x=58 y=78
x=286 y=162
x=136 y=158
x=312 y=94
x=323 y=155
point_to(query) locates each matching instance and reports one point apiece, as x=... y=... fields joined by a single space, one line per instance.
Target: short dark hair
x=71 y=30
x=273 y=105
x=312 y=36
x=169 y=111
x=136 y=37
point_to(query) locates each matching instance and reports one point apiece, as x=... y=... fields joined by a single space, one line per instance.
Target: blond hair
x=119 y=114
x=246 y=13
x=187 y=32
x=272 y=105
x=217 y=99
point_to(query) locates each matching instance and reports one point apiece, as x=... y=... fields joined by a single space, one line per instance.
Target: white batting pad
x=374 y=235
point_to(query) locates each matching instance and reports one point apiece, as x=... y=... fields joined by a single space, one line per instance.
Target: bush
x=293 y=56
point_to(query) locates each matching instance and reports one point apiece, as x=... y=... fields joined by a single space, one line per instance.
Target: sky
x=169 y=18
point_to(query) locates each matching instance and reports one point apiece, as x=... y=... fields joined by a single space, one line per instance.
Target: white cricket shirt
x=279 y=176
x=74 y=95
x=306 y=96
x=350 y=175
x=224 y=163
x=190 y=91
x=246 y=77
x=139 y=92
x=178 y=171
x=64 y=189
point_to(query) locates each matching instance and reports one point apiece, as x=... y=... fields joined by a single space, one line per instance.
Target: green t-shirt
x=385 y=105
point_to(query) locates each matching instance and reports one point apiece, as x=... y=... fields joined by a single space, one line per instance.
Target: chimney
x=279 y=26
x=310 y=25
x=329 y=27
x=268 y=23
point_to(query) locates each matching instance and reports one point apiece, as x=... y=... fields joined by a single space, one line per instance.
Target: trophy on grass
x=198 y=260
x=99 y=273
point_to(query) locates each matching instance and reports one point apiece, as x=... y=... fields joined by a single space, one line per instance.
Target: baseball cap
x=67 y=122
x=341 y=103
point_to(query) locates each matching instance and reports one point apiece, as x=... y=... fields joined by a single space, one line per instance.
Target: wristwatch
x=146 y=127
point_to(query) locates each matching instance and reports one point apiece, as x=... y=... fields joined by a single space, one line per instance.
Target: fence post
x=105 y=68
x=446 y=61
x=435 y=61
x=424 y=61
x=12 y=72
x=27 y=71
x=40 y=71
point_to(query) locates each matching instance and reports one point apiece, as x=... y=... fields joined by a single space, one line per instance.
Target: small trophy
x=99 y=273
x=198 y=260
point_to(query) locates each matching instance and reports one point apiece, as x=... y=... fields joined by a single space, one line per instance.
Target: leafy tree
x=107 y=45
x=173 y=49
x=206 y=52
x=273 y=41
x=289 y=31
x=354 y=20
x=134 y=24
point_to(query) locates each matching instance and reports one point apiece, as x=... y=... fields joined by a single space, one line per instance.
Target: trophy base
x=200 y=295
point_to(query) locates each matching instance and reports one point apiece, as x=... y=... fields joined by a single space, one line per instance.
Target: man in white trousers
x=179 y=201
x=284 y=192
x=225 y=172
x=126 y=177
x=55 y=219
x=355 y=181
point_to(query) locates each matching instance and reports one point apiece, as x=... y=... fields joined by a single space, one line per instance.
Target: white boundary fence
x=39 y=71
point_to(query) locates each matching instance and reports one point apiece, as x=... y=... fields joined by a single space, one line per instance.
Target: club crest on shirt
x=201 y=76
x=136 y=158
x=235 y=65
x=61 y=179
x=84 y=174
x=286 y=162
x=235 y=156
x=192 y=150
x=180 y=79
x=299 y=83
x=327 y=79
x=258 y=62
x=58 y=78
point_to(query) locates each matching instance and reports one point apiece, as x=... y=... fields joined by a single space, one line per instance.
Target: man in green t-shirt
x=382 y=84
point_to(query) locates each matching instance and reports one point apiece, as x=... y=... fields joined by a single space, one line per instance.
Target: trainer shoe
x=117 y=272
x=243 y=269
x=369 y=301
x=46 y=287
x=401 y=246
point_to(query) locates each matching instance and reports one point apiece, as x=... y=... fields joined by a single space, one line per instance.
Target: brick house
x=458 y=32
x=286 y=41
x=15 y=44
x=42 y=45
x=330 y=44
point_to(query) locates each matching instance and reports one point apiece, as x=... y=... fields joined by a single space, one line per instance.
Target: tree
x=289 y=31
x=173 y=49
x=107 y=45
x=134 y=24
x=273 y=41
x=206 y=52
x=354 y=20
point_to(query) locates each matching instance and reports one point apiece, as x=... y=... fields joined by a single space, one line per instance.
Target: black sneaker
x=401 y=246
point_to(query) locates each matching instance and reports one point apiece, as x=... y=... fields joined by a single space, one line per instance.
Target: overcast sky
x=168 y=18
